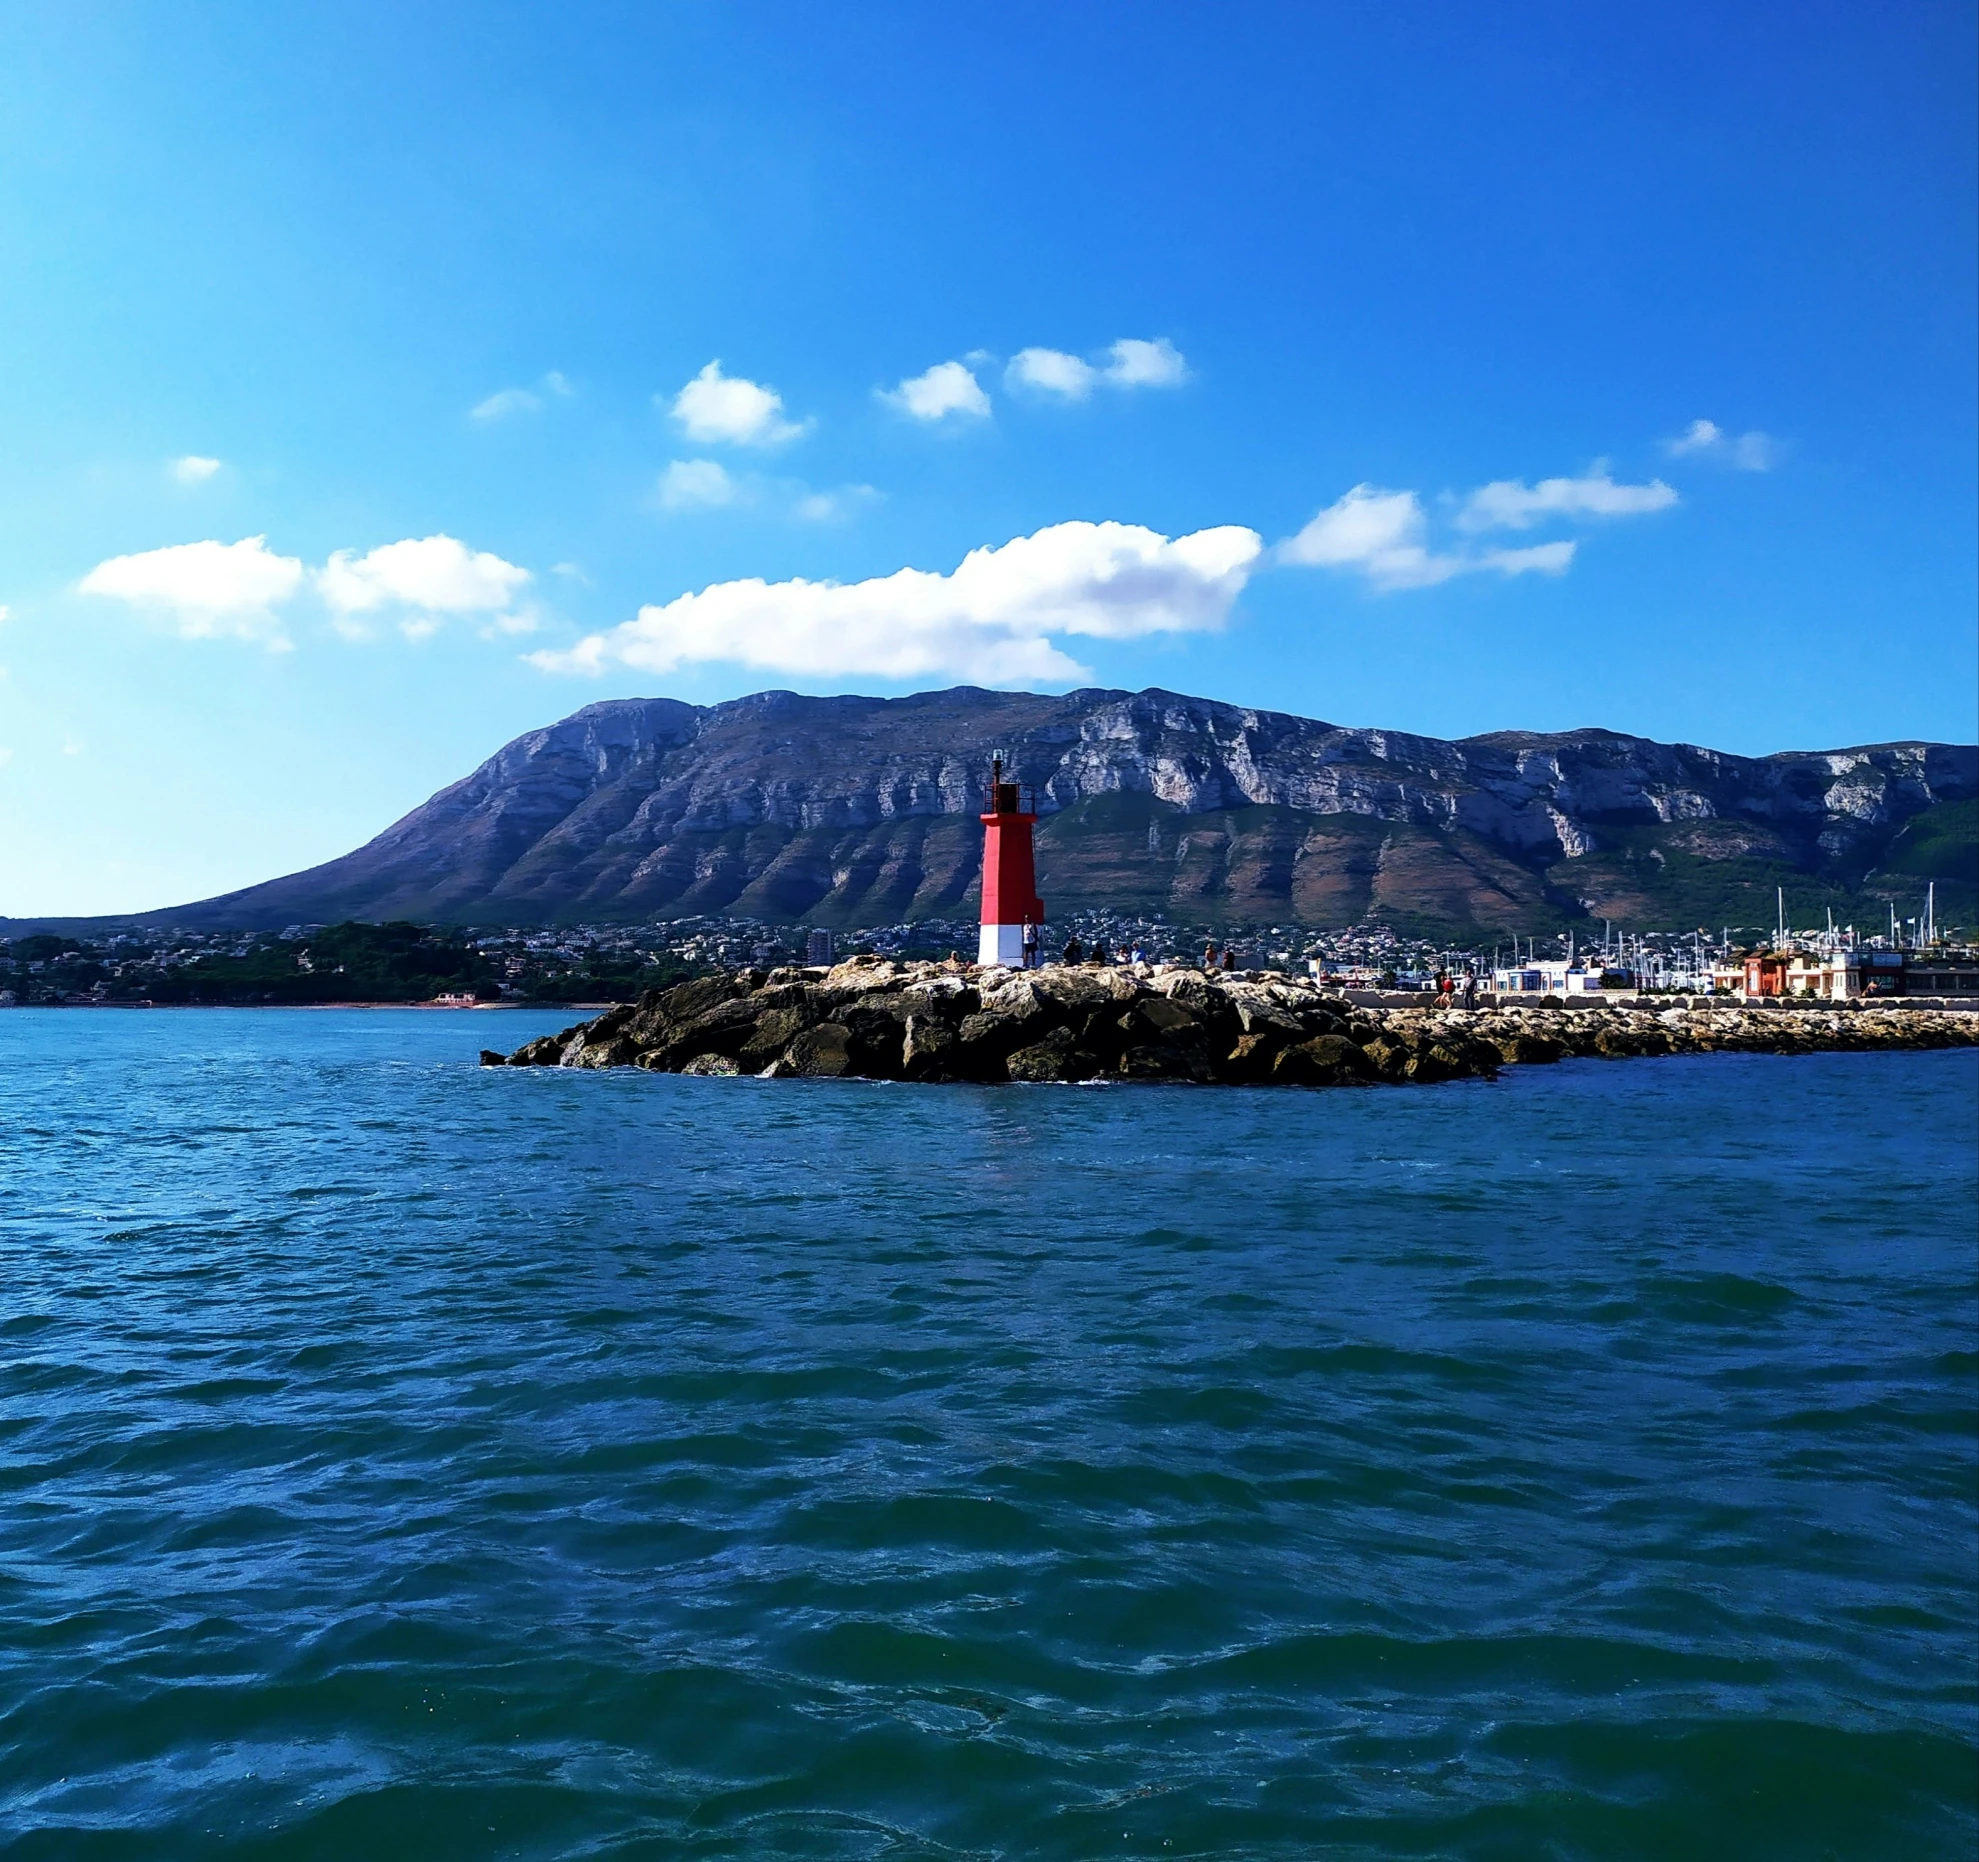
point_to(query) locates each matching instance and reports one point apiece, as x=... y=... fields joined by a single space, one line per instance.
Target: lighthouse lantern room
x=1010 y=885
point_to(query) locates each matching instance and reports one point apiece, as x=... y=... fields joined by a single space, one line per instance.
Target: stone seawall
x=871 y=1019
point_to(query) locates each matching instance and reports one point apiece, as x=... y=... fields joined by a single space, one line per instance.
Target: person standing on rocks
x=1074 y=951
x=1030 y=945
x=1210 y=955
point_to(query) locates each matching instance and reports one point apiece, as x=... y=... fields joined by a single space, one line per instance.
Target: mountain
x=849 y=811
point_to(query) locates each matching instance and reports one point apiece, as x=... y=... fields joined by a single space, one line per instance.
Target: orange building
x=1766 y=976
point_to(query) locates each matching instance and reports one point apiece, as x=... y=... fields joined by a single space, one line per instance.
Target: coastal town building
x=1853 y=975
x=1935 y=973
x=1765 y=974
x=1559 y=977
x=1849 y=974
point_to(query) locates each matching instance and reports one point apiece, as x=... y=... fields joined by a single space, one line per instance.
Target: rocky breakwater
x=869 y=1019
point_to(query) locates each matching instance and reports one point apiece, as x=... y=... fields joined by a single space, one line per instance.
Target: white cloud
x=1132 y=362
x=209 y=590
x=1382 y=535
x=697 y=484
x=1052 y=371
x=1748 y=452
x=503 y=402
x=823 y=507
x=731 y=410
x=991 y=619
x=5 y=613
x=1138 y=364
x=707 y=485
x=194 y=469
x=947 y=388
x=506 y=401
x=434 y=576
x=213 y=589
x=1511 y=504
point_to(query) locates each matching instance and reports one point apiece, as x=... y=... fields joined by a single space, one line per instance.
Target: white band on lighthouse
x=1002 y=944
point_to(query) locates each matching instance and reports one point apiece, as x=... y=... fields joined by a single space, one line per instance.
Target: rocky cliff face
x=859 y=811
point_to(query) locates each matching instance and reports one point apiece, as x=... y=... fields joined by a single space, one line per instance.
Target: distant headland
x=848 y=812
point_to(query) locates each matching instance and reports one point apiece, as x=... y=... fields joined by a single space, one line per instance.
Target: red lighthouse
x=1010 y=884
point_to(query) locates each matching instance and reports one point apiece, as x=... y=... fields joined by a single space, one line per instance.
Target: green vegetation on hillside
x=1941 y=845
x=341 y=963
x=396 y=962
x=1132 y=853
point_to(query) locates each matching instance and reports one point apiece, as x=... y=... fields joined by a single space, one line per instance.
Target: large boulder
x=1623 y=1043
x=725 y=1028
x=774 y=1032
x=1252 y=1059
x=942 y=994
x=1014 y=1014
x=1188 y=987
x=928 y=1047
x=1077 y=991
x=1166 y=1061
x=820 y=1053
x=618 y=1050
x=1257 y=1014
x=1057 y=1057
x=1388 y=1056
x=1516 y=1048
x=878 y=1038
x=716 y=1066
x=1325 y=1060
x=1436 y=1060
x=684 y=1001
x=859 y=976
x=545 y=1051
x=1162 y=1017
x=1022 y=1002
x=982 y=1047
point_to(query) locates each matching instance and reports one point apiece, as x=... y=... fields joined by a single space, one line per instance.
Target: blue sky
x=1443 y=369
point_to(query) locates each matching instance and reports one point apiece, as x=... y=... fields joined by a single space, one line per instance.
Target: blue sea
x=399 y=1459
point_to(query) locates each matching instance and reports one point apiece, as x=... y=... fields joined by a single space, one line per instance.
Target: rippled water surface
x=398 y=1459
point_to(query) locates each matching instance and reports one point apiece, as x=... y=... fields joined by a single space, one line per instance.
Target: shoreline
x=455 y=1008
x=871 y=1018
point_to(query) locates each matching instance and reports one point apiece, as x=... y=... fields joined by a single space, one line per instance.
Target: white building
x=1557 y=977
